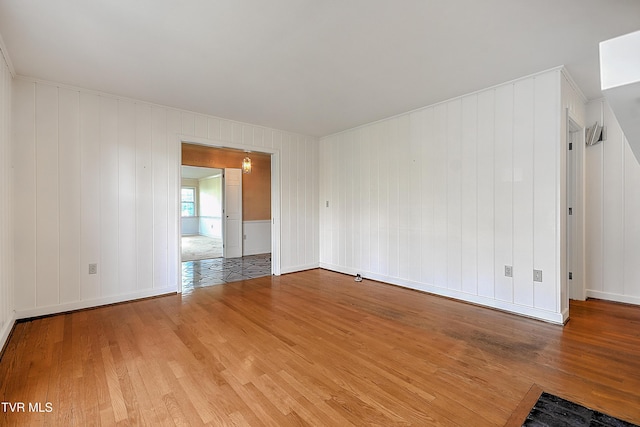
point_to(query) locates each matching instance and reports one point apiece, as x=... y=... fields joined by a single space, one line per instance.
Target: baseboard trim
x=92 y=303
x=627 y=299
x=535 y=313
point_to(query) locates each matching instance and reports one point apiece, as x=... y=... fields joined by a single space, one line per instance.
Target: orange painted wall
x=256 y=186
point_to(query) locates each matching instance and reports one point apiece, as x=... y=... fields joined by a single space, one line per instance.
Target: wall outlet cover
x=508 y=271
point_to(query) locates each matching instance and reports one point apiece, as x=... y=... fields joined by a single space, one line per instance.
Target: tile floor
x=218 y=271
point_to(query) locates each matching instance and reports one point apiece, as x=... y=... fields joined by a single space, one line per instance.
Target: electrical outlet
x=508 y=271
x=537 y=275
x=93 y=268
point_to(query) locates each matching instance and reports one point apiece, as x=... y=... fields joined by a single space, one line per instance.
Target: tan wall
x=256 y=186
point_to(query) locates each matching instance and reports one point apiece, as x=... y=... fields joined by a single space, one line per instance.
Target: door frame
x=275 y=195
x=575 y=226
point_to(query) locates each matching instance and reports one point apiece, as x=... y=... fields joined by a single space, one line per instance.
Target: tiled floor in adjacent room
x=218 y=271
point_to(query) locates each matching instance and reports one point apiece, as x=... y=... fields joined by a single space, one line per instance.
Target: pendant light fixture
x=246 y=165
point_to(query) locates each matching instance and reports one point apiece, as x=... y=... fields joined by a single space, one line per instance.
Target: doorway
x=260 y=237
x=201 y=213
x=575 y=210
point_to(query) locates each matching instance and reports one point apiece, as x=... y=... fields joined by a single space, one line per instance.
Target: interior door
x=232 y=228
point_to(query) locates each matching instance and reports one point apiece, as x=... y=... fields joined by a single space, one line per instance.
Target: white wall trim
x=6 y=330
x=547 y=316
x=92 y=303
x=276 y=180
x=627 y=299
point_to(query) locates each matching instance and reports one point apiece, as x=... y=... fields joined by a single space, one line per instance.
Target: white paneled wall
x=612 y=217
x=97 y=181
x=442 y=198
x=7 y=313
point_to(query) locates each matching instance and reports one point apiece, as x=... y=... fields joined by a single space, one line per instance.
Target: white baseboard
x=627 y=299
x=298 y=268
x=547 y=316
x=6 y=330
x=97 y=302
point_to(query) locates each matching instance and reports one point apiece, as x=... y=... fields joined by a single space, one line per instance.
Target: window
x=188 y=201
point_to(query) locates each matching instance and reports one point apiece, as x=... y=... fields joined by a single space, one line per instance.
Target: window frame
x=195 y=201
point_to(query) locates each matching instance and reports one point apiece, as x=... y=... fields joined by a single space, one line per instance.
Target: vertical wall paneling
x=144 y=197
x=366 y=200
x=99 y=184
x=503 y=154
x=201 y=126
x=70 y=197
x=90 y=243
x=236 y=129
x=613 y=215
x=486 y=194
x=384 y=198
x=374 y=191
x=631 y=249
x=440 y=204
x=47 y=209
x=127 y=266
x=411 y=201
x=612 y=209
x=454 y=188
x=173 y=182
x=303 y=212
x=7 y=300
x=188 y=121
x=594 y=207
x=160 y=178
x=426 y=237
x=450 y=194
x=24 y=194
x=469 y=195
x=109 y=194
x=406 y=163
x=546 y=168
x=523 y=134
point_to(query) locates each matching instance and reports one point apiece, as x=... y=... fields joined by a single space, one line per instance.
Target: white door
x=232 y=228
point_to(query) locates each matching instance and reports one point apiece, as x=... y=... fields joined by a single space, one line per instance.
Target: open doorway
x=256 y=257
x=201 y=213
x=575 y=210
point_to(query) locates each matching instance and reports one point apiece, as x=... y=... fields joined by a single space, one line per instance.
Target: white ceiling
x=309 y=66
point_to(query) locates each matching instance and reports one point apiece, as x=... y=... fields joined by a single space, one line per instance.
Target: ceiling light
x=246 y=165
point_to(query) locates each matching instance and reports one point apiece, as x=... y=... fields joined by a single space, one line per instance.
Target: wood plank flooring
x=314 y=348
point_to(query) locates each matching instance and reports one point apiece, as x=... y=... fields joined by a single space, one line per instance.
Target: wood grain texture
x=315 y=348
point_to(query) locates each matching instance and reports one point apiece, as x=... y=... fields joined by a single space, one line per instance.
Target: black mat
x=552 y=411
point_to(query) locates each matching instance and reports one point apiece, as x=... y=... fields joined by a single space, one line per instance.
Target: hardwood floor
x=314 y=348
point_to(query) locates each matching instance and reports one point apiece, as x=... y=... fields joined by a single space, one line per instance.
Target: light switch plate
x=537 y=275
